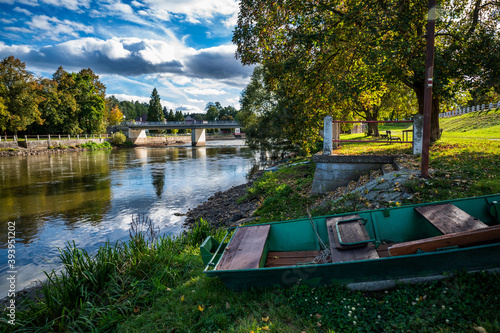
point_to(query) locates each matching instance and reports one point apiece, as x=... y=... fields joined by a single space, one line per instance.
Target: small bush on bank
x=94 y=145
x=118 y=139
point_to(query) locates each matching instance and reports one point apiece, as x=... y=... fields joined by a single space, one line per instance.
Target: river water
x=90 y=197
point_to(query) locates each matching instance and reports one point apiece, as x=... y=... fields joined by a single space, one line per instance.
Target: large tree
x=18 y=96
x=259 y=114
x=309 y=47
x=90 y=93
x=155 y=111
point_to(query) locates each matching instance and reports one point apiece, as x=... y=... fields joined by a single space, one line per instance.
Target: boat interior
x=367 y=235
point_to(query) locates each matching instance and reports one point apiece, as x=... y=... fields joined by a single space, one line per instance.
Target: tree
x=155 y=112
x=259 y=114
x=115 y=116
x=212 y=111
x=171 y=116
x=90 y=98
x=307 y=48
x=19 y=96
x=68 y=109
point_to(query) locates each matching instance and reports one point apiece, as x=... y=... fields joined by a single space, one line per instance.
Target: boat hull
x=367 y=274
x=398 y=224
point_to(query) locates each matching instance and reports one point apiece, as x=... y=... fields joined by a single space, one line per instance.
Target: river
x=90 y=197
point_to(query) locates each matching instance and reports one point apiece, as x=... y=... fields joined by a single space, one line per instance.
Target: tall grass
x=98 y=291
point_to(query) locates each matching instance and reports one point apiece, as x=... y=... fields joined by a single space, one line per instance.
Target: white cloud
x=196 y=9
x=120 y=7
x=6 y=21
x=53 y=28
x=69 y=4
x=206 y=91
x=18 y=50
x=18 y=29
x=23 y=11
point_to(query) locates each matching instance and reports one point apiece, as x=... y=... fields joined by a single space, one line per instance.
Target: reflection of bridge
x=137 y=130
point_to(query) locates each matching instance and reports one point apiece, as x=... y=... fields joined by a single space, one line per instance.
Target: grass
x=156 y=284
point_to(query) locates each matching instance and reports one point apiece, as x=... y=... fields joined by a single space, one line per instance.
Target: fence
x=53 y=137
x=387 y=139
x=464 y=110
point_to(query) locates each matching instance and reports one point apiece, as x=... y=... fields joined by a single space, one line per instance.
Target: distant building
x=142 y=118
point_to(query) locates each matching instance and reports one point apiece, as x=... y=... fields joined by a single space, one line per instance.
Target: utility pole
x=429 y=73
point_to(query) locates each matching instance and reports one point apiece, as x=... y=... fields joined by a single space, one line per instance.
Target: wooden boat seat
x=352 y=231
x=245 y=249
x=450 y=219
x=290 y=258
x=463 y=238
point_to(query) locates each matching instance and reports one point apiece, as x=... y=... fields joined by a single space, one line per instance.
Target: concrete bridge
x=137 y=130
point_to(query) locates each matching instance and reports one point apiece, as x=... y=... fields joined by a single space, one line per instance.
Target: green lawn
x=159 y=286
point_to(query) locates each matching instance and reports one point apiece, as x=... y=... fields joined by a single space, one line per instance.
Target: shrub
x=94 y=146
x=118 y=139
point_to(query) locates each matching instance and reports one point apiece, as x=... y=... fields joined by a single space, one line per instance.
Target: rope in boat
x=325 y=253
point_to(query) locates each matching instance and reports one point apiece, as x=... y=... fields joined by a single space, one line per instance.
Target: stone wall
x=162 y=141
x=333 y=171
x=41 y=144
x=8 y=144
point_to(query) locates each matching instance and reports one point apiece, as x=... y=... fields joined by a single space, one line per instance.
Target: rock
x=222 y=209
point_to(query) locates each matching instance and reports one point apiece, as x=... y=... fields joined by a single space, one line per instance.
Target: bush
x=93 y=145
x=118 y=139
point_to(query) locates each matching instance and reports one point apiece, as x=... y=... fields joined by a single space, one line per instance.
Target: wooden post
x=429 y=75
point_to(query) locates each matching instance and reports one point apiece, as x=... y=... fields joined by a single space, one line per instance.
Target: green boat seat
x=450 y=219
x=246 y=248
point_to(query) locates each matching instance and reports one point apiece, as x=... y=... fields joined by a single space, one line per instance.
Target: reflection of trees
x=157 y=158
x=158 y=175
x=41 y=188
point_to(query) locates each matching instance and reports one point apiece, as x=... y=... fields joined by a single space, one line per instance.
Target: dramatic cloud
x=133 y=56
x=218 y=63
x=180 y=47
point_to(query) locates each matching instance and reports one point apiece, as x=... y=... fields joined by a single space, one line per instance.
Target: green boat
x=368 y=250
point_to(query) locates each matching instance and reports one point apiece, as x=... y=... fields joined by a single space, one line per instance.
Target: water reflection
x=90 y=197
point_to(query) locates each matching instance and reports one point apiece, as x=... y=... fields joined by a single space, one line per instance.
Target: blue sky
x=181 y=47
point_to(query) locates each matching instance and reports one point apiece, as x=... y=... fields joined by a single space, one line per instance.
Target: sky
x=181 y=47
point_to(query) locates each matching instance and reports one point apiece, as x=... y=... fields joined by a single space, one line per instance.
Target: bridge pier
x=136 y=135
x=198 y=137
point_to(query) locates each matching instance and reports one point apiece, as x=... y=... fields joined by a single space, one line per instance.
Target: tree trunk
x=372 y=127
x=435 y=132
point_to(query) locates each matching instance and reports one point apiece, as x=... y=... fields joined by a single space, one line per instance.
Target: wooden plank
x=351 y=232
x=245 y=249
x=290 y=258
x=367 y=252
x=450 y=219
x=463 y=238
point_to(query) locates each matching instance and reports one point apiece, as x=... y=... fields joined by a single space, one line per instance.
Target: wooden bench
x=392 y=137
x=246 y=248
x=449 y=218
x=464 y=238
x=349 y=232
x=458 y=228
